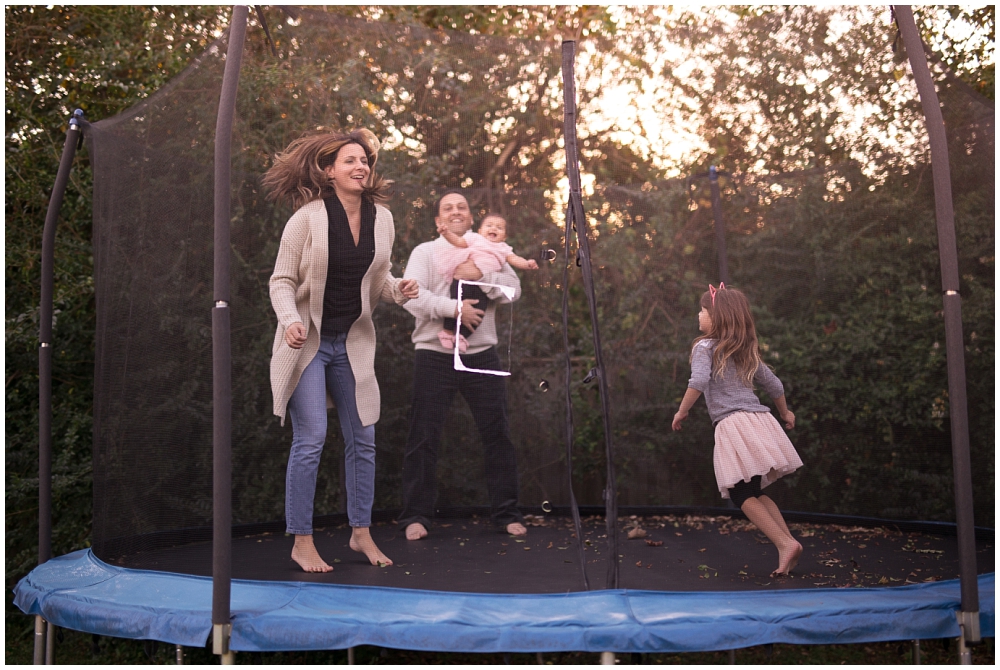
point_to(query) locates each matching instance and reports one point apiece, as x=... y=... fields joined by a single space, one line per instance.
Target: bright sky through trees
x=662 y=124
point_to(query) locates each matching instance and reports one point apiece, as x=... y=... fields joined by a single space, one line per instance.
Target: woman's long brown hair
x=734 y=334
x=298 y=175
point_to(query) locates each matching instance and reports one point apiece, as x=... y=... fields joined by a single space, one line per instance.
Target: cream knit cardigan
x=297 y=287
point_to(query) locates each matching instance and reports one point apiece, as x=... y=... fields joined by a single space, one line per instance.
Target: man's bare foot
x=517 y=529
x=788 y=559
x=416 y=531
x=304 y=553
x=362 y=542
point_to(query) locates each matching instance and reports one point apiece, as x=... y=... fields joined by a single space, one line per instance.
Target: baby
x=489 y=251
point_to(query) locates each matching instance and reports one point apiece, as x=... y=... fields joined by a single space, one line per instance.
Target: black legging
x=469 y=292
x=743 y=491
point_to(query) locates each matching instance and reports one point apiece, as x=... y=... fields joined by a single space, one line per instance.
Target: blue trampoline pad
x=80 y=592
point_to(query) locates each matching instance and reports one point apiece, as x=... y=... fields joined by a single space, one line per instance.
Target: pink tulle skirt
x=749 y=444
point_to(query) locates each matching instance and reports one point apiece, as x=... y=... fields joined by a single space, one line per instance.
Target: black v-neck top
x=347 y=265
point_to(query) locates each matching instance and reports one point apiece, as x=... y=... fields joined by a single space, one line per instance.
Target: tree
x=965 y=37
x=103 y=60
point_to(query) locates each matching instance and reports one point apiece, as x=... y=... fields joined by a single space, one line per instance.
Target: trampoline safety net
x=825 y=194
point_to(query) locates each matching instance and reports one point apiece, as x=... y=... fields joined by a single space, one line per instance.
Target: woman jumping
x=331 y=271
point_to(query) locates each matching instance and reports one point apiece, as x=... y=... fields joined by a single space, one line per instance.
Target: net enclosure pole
x=580 y=223
x=954 y=341
x=73 y=136
x=222 y=395
x=720 y=226
x=570 y=430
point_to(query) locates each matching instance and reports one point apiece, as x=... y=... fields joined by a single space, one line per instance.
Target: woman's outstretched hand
x=409 y=288
x=295 y=335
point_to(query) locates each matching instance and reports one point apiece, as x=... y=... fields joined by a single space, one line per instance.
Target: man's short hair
x=450 y=191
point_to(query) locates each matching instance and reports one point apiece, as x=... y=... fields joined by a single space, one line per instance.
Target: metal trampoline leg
x=39 y=640
x=180 y=655
x=50 y=644
x=221 y=633
x=964 y=653
x=539 y=659
x=916 y=652
x=607 y=658
x=350 y=656
x=732 y=657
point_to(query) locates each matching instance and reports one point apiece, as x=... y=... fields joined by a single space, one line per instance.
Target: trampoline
x=647 y=561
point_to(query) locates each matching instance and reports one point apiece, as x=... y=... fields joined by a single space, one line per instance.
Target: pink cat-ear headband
x=713 y=290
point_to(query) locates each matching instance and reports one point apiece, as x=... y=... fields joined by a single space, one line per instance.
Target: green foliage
x=103 y=60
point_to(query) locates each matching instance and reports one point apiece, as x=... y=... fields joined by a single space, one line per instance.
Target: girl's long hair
x=734 y=334
x=298 y=175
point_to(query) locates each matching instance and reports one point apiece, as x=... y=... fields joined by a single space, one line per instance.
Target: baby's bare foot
x=304 y=553
x=517 y=529
x=416 y=531
x=362 y=542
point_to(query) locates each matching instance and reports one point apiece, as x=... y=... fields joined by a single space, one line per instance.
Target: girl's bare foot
x=362 y=542
x=517 y=529
x=304 y=553
x=416 y=531
x=788 y=558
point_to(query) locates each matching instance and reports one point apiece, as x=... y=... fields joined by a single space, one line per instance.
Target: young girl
x=489 y=251
x=751 y=451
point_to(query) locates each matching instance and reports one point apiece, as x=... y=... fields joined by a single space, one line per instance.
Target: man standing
x=435 y=380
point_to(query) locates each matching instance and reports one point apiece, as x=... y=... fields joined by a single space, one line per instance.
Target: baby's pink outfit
x=488 y=256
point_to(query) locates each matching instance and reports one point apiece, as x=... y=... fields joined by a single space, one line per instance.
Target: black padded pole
x=570 y=432
x=580 y=223
x=954 y=342
x=45 y=360
x=720 y=227
x=222 y=396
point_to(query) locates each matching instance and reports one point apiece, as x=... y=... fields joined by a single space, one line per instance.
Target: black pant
x=472 y=292
x=435 y=382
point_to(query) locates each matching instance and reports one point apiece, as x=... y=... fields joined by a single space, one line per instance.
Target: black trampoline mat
x=675 y=553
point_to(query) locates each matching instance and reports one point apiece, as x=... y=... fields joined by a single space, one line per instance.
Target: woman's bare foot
x=304 y=553
x=517 y=529
x=788 y=558
x=362 y=542
x=416 y=531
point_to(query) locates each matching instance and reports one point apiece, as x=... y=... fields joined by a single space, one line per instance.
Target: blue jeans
x=329 y=370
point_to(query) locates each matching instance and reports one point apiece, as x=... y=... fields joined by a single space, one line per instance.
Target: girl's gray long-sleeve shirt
x=727 y=393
